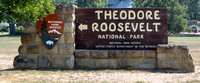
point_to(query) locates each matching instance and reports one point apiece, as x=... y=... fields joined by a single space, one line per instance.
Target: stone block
x=22 y=49
x=64 y=49
x=62 y=39
x=47 y=51
x=43 y=62
x=30 y=28
x=121 y=63
x=99 y=54
x=116 y=53
x=33 y=49
x=168 y=64
x=84 y=63
x=69 y=27
x=182 y=49
x=105 y=63
x=82 y=54
x=25 y=62
x=62 y=62
x=161 y=56
x=61 y=16
x=172 y=56
x=147 y=66
x=187 y=63
x=69 y=38
x=149 y=61
x=134 y=63
x=150 y=54
x=166 y=48
x=28 y=38
x=134 y=53
x=69 y=17
x=63 y=9
x=38 y=40
x=168 y=56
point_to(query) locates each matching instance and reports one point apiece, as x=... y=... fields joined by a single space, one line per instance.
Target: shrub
x=19 y=30
x=3 y=28
x=8 y=29
x=190 y=28
x=194 y=27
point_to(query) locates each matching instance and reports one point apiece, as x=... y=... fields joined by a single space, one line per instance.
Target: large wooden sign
x=50 y=30
x=120 y=28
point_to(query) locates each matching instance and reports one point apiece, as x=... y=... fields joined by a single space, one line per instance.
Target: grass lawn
x=9 y=49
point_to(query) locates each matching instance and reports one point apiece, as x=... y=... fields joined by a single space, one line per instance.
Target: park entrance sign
x=120 y=28
x=105 y=38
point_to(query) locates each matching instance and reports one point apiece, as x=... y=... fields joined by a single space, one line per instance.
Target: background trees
x=20 y=11
x=60 y=2
x=176 y=12
x=91 y=3
x=193 y=8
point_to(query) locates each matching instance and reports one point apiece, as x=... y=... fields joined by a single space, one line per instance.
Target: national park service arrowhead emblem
x=50 y=30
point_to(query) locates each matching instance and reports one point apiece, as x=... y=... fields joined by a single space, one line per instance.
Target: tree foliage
x=91 y=3
x=61 y=2
x=176 y=12
x=16 y=11
x=193 y=9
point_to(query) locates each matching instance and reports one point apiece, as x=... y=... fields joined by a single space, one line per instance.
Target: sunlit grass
x=4 y=33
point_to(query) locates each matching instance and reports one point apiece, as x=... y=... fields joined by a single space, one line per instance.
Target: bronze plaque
x=120 y=28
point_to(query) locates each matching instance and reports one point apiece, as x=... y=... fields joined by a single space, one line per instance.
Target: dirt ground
x=8 y=50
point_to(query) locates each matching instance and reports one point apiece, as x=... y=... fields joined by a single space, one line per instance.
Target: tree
x=91 y=3
x=61 y=2
x=176 y=12
x=20 y=11
x=193 y=9
x=176 y=17
x=150 y=3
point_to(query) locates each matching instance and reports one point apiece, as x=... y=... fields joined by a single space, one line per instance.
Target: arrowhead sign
x=83 y=27
x=50 y=30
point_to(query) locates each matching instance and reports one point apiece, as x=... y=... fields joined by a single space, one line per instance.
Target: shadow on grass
x=102 y=70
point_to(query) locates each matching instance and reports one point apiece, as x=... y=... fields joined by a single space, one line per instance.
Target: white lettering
x=140 y=16
x=156 y=26
x=98 y=14
x=156 y=15
x=123 y=14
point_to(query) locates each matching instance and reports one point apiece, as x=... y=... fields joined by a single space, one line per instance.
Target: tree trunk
x=12 y=28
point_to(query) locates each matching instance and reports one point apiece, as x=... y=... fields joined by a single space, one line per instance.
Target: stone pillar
x=174 y=57
x=34 y=55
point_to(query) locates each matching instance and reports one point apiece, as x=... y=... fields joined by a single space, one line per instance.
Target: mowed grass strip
x=9 y=49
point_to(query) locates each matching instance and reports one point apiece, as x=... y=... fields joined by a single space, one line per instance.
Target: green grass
x=9 y=44
x=4 y=33
x=9 y=49
x=193 y=81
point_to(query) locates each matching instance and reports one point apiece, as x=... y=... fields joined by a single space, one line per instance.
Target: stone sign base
x=166 y=57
